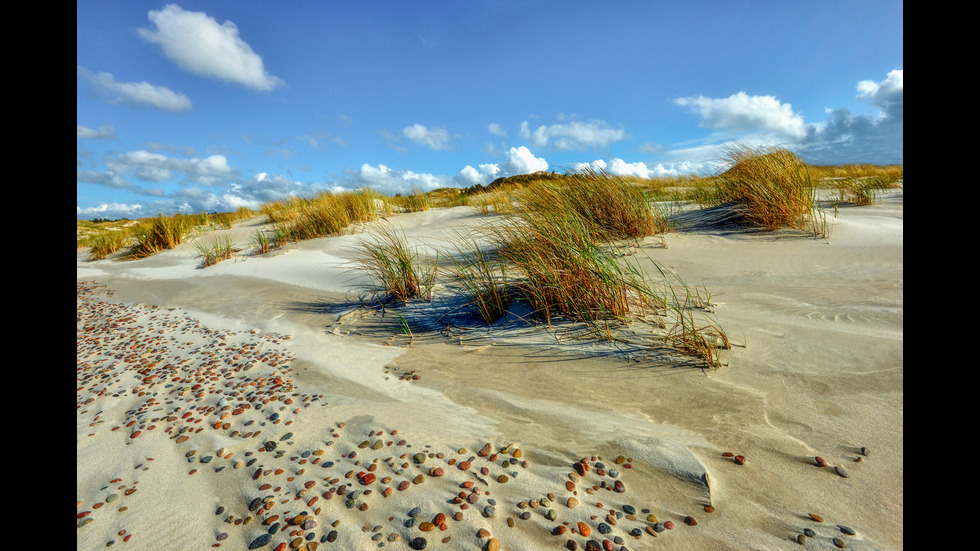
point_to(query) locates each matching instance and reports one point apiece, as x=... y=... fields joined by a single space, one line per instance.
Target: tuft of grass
x=220 y=248
x=612 y=207
x=157 y=234
x=863 y=190
x=499 y=201
x=416 y=201
x=401 y=273
x=261 y=242
x=481 y=279
x=324 y=214
x=106 y=243
x=772 y=185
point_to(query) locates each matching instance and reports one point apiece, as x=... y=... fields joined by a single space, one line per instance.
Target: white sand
x=820 y=373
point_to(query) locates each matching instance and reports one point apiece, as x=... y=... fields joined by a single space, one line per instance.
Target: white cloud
x=433 y=138
x=111 y=211
x=135 y=94
x=497 y=130
x=574 y=135
x=886 y=95
x=744 y=113
x=618 y=167
x=155 y=167
x=387 y=180
x=103 y=132
x=198 y=44
x=518 y=160
x=874 y=138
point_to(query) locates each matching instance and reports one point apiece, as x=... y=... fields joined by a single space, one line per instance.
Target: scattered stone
x=260 y=541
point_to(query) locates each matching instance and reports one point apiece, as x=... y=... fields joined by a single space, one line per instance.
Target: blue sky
x=207 y=106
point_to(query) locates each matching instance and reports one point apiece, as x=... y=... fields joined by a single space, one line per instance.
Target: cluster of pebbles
x=346 y=489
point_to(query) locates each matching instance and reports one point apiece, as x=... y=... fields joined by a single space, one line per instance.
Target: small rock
x=260 y=541
x=841 y=472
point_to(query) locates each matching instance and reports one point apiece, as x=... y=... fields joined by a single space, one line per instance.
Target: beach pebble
x=418 y=543
x=839 y=543
x=492 y=545
x=260 y=541
x=572 y=502
x=821 y=462
x=841 y=472
x=846 y=529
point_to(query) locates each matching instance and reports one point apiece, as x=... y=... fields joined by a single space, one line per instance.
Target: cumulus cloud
x=103 y=132
x=744 y=113
x=433 y=138
x=200 y=45
x=887 y=95
x=518 y=160
x=112 y=211
x=639 y=169
x=497 y=130
x=155 y=167
x=573 y=135
x=870 y=138
x=618 y=167
x=388 y=180
x=134 y=94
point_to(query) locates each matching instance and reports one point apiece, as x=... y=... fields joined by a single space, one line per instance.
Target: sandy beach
x=259 y=404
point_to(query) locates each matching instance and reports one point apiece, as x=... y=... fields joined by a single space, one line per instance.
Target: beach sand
x=211 y=400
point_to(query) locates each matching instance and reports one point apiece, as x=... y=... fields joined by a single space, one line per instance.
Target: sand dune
x=320 y=391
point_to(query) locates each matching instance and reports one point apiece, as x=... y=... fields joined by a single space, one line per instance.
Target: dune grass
x=561 y=254
x=400 y=272
x=611 y=207
x=106 y=243
x=480 y=278
x=416 y=201
x=157 y=234
x=772 y=184
x=218 y=249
